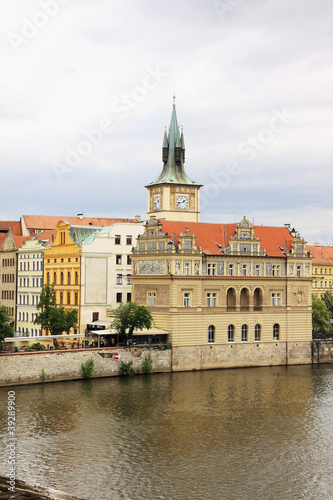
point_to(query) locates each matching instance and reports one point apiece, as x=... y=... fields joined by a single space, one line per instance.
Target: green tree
x=55 y=318
x=128 y=317
x=320 y=314
x=6 y=329
x=328 y=299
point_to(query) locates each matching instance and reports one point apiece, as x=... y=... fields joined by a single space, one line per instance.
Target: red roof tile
x=19 y=240
x=321 y=255
x=208 y=236
x=15 y=226
x=50 y=221
x=2 y=239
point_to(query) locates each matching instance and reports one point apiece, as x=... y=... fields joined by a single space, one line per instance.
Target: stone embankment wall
x=26 y=368
x=322 y=351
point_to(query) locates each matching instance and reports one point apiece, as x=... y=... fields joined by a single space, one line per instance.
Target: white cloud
x=230 y=74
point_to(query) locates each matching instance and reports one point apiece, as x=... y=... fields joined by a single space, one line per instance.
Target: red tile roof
x=19 y=240
x=50 y=221
x=15 y=225
x=2 y=239
x=321 y=255
x=208 y=236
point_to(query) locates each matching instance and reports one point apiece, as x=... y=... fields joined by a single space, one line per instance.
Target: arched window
x=244 y=299
x=244 y=333
x=257 y=299
x=61 y=278
x=231 y=299
x=55 y=278
x=76 y=278
x=211 y=333
x=257 y=333
x=231 y=331
x=276 y=331
x=69 y=278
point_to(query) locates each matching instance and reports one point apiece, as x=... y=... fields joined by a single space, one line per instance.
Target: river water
x=259 y=433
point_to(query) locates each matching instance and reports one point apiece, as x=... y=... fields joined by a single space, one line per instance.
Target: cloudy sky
x=86 y=91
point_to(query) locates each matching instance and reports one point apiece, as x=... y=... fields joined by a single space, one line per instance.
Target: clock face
x=157 y=202
x=182 y=202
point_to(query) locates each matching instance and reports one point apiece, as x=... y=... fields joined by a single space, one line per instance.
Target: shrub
x=126 y=368
x=88 y=368
x=147 y=364
x=36 y=346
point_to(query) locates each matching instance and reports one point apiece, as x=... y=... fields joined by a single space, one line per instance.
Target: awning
x=44 y=337
x=145 y=331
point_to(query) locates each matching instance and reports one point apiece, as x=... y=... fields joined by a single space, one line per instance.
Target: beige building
x=30 y=282
x=227 y=294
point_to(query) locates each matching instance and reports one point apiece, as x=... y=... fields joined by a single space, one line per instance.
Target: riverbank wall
x=51 y=366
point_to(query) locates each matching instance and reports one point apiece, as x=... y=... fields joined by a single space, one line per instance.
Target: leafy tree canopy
x=328 y=299
x=6 y=329
x=55 y=318
x=320 y=314
x=131 y=316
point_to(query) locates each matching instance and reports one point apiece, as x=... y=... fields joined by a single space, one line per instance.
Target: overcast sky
x=86 y=91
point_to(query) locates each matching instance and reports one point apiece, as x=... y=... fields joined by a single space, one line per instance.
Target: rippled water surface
x=260 y=433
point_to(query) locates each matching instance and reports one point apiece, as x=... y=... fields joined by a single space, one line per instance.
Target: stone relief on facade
x=152 y=245
x=187 y=245
x=299 y=297
x=196 y=268
x=142 y=246
x=204 y=268
x=234 y=247
x=161 y=245
x=151 y=267
x=291 y=270
x=177 y=268
x=245 y=235
x=268 y=269
x=306 y=271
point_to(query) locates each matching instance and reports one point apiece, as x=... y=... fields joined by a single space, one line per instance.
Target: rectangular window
x=275 y=270
x=298 y=271
x=257 y=270
x=231 y=269
x=129 y=260
x=129 y=281
x=76 y=298
x=129 y=297
x=211 y=269
x=244 y=269
x=128 y=239
x=186 y=268
x=119 y=297
x=211 y=299
x=276 y=299
x=119 y=279
x=61 y=297
x=118 y=259
x=186 y=299
x=95 y=316
x=117 y=239
x=68 y=297
x=151 y=299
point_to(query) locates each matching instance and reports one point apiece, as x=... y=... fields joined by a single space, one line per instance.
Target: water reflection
x=228 y=434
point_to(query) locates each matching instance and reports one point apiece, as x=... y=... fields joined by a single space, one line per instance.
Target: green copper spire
x=173 y=156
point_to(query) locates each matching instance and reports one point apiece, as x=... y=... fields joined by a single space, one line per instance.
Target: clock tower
x=173 y=195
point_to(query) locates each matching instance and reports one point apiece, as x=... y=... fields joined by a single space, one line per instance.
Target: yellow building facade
x=322 y=269
x=62 y=267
